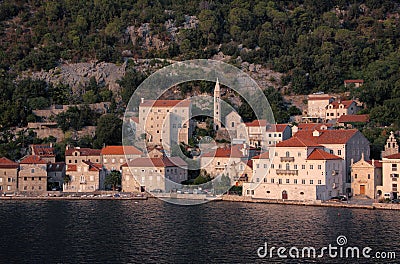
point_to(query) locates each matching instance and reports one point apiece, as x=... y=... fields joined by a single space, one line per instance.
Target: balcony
x=287 y=172
x=287 y=159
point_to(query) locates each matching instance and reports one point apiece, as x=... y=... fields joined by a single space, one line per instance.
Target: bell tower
x=391 y=146
x=217 y=106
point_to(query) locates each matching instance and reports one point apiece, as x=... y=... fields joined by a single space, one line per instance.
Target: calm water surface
x=153 y=231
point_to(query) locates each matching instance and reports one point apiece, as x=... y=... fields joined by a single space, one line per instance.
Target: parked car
x=395 y=201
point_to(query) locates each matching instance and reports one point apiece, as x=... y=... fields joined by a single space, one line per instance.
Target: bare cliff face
x=77 y=75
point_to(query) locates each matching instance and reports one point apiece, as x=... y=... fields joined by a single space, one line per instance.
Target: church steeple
x=391 y=146
x=217 y=106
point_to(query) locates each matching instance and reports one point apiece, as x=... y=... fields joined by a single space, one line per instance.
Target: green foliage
x=113 y=179
x=129 y=83
x=108 y=131
x=76 y=118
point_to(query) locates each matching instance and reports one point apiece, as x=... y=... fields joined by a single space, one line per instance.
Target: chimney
x=142 y=100
x=316 y=133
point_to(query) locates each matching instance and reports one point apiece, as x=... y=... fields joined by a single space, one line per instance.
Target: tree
x=113 y=179
x=108 y=131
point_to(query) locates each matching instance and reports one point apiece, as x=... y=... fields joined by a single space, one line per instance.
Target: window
x=394 y=167
x=369 y=176
x=276 y=154
x=25 y=178
x=331 y=151
x=258 y=180
x=287 y=166
x=355 y=176
x=279 y=181
x=40 y=178
x=40 y=187
x=299 y=154
x=311 y=167
x=311 y=181
x=25 y=188
x=33 y=178
x=272 y=166
x=233 y=124
x=319 y=167
x=272 y=181
x=303 y=181
x=287 y=181
x=303 y=167
x=258 y=166
x=319 y=182
x=295 y=167
x=265 y=166
x=280 y=166
x=32 y=170
x=287 y=154
x=9 y=179
x=295 y=181
x=339 y=152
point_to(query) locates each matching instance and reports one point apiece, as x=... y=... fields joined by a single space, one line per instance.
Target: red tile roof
x=43 y=150
x=120 y=150
x=156 y=162
x=8 y=164
x=264 y=155
x=393 y=156
x=319 y=154
x=166 y=103
x=93 y=166
x=327 y=136
x=32 y=159
x=312 y=126
x=256 y=123
x=135 y=119
x=71 y=167
x=353 y=119
x=377 y=163
x=346 y=104
x=250 y=163
x=277 y=128
x=228 y=152
x=297 y=142
x=354 y=81
x=83 y=151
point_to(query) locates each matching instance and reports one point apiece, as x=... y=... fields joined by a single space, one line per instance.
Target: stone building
x=85 y=176
x=317 y=104
x=46 y=152
x=390 y=177
x=55 y=175
x=113 y=157
x=391 y=146
x=32 y=177
x=300 y=170
x=366 y=176
x=8 y=176
x=338 y=108
x=153 y=174
x=75 y=155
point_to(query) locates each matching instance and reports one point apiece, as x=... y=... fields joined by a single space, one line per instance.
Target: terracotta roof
x=354 y=81
x=377 y=163
x=319 y=154
x=297 y=142
x=71 y=167
x=256 y=123
x=83 y=151
x=54 y=167
x=346 y=104
x=228 y=152
x=393 y=156
x=250 y=163
x=120 y=150
x=33 y=159
x=264 y=155
x=93 y=166
x=312 y=126
x=156 y=162
x=43 y=150
x=327 y=136
x=277 y=128
x=166 y=103
x=135 y=119
x=8 y=164
x=353 y=119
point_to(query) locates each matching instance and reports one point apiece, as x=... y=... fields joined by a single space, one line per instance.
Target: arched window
x=287 y=154
x=287 y=166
